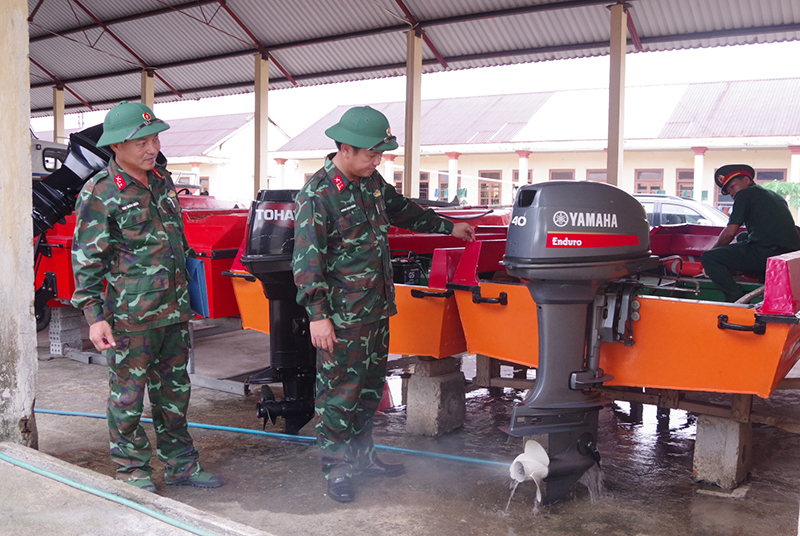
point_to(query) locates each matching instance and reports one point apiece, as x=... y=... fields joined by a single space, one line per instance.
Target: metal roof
x=750 y=108
x=193 y=136
x=201 y=48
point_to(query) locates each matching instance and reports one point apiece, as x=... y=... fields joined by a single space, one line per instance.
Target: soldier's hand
x=464 y=231
x=100 y=335
x=322 y=334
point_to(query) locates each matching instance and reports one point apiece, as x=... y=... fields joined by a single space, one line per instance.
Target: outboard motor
x=567 y=241
x=54 y=199
x=268 y=256
x=54 y=196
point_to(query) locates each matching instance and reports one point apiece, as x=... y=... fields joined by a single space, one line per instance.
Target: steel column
x=58 y=115
x=261 y=123
x=148 y=89
x=616 y=94
x=413 y=113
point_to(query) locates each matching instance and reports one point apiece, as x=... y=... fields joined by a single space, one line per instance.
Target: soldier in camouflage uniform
x=342 y=268
x=129 y=234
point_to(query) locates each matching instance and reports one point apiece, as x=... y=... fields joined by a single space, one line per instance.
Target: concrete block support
x=436 y=403
x=65 y=330
x=723 y=451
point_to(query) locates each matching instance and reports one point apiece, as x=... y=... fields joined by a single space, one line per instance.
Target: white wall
x=231 y=176
x=669 y=162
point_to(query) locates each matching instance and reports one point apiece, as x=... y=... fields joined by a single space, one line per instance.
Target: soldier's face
x=362 y=163
x=137 y=156
x=736 y=185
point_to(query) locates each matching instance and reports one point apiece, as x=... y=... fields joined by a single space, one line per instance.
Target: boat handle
x=246 y=277
x=758 y=327
x=417 y=293
x=477 y=298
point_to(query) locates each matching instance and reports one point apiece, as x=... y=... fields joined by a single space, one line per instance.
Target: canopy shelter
x=88 y=54
x=101 y=52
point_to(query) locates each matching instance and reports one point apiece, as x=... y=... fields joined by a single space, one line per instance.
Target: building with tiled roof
x=673 y=133
x=214 y=152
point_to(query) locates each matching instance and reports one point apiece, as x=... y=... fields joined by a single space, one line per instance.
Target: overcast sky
x=296 y=109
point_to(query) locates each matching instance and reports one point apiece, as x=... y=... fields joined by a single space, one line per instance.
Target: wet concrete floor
x=276 y=485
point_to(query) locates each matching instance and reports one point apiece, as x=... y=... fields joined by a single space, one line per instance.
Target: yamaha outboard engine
x=567 y=241
x=268 y=257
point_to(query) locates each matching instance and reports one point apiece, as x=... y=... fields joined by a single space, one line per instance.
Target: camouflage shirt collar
x=335 y=175
x=115 y=171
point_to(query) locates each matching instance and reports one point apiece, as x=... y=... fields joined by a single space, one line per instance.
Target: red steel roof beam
x=259 y=45
x=35 y=10
x=415 y=23
x=60 y=83
x=637 y=42
x=126 y=47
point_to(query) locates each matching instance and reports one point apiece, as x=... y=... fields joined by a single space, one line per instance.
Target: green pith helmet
x=363 y=127
x=129 y=121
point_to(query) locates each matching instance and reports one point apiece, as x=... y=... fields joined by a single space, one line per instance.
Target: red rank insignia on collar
x=120 y=182
x=337 y=180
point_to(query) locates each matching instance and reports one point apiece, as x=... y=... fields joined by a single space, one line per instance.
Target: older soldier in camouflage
x=342 y=268
x=129 y=236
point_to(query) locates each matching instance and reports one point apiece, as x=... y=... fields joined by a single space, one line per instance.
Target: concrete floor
x=276 y=485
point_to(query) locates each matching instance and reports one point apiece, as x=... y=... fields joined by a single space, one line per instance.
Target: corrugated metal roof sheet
x=197 y=135
x=193 y=136
x=709 y=110
x=754 y=108
x=444 y=121
x=198 y=48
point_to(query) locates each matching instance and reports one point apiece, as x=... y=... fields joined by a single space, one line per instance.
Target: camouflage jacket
x=132 y=237
x=341 y=260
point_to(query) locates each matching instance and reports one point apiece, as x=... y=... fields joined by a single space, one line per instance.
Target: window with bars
x=444 y=181
x=398 y=181
x=530 y=176
x=684 y=183
x=562 y=174
x=424 y=181
x=489 y=191
x=597 y=175
x=649 y=181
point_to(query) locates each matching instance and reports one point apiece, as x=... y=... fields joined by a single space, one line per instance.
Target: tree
x=788 y=190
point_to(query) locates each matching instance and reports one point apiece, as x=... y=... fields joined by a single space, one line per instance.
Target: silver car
x=672 y=210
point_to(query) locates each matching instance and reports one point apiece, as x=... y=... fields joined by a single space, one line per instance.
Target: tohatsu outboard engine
x=568 y=241
x=268 y=256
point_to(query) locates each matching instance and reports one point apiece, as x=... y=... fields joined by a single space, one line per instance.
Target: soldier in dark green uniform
x=129 y=234
x=342 y=268
x=770 y=230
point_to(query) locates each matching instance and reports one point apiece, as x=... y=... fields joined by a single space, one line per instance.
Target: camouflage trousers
x=349 y=390
x=155 y=359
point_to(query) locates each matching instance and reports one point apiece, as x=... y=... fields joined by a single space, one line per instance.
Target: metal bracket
x=47 y=291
